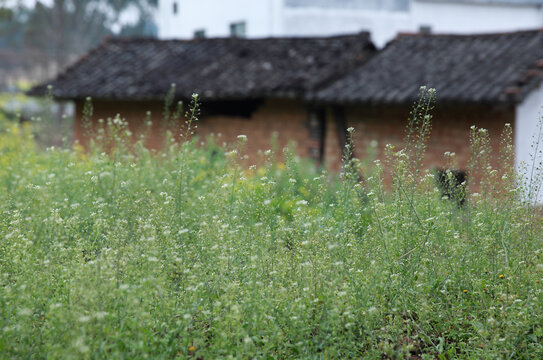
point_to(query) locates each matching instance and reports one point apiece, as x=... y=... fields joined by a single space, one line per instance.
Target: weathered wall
x=134 y=112
x=285 y=117
x=381 y=125
x=378 y=125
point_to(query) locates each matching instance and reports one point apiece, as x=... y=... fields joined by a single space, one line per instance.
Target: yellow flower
x=192 y=348
x=465 y=291
x=501 y=276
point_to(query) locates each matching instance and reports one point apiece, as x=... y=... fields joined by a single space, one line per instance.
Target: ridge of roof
x=470 y=35
x=490 y=2
x=116 y=39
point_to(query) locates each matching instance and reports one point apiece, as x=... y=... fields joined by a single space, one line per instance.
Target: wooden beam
x=341 y=125
x=316 y=123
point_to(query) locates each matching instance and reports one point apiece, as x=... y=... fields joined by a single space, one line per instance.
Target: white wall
x=464 y=18
x=526 y=132
x=383 y=25
x=215 y=17
x=266 y=18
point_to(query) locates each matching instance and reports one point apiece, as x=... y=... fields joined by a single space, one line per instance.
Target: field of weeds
x=186 y=254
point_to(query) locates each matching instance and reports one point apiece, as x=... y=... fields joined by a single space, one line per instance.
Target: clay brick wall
x=289 y=119
x=134 y=112
x=450 y=130
x=286 y=118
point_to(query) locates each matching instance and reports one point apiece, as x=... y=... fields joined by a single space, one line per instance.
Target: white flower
x=84 y=319
x=25 y=312
x=100 y=315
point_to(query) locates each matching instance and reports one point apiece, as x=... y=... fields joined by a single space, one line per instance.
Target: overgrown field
x=186 y=253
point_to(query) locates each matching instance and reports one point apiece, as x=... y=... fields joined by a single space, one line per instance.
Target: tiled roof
x=220 y=69
x=494 y=68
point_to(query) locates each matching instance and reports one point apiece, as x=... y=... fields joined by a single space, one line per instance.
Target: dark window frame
x=238 y=29
x=200 y=33
x=453 y=184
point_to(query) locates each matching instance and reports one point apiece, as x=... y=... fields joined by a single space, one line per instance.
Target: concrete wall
x=466 y=18
x=262 y=17
x=266 y=18
x=312 y=21
x=528 y=149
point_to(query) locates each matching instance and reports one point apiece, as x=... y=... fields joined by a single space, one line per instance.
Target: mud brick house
x=309 y=90
x=483 y=80
x=251 y=87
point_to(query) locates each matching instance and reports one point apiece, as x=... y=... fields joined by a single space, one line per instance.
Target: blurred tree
x=39 y=39
x=11 y=25
x=58 y=31
x=68 y=28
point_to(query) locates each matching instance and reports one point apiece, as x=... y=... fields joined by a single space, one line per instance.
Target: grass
x=186 y=254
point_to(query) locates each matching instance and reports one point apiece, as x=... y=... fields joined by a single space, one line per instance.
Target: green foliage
x=118 y=252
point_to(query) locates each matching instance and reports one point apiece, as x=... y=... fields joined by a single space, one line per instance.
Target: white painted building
x=382 y=18
x=528 y=133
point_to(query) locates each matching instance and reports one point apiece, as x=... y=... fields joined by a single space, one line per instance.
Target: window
x=200 y=34
x=452 y=184
x=175 y=8
x=238 y=29
x=425 y=29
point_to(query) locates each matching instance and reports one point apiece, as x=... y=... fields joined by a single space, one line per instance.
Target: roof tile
x=463 y=68
x=221 y=68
